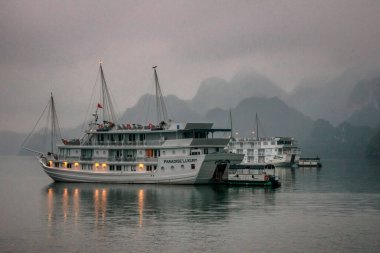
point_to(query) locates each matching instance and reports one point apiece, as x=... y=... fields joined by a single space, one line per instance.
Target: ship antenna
x=162 y=114
x=257 y=127
x=231 y=124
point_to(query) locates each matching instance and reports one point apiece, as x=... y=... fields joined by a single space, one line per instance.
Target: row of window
x=118 y=167
x=192 y=166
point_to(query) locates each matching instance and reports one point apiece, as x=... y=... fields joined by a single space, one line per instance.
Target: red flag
x=99 y=105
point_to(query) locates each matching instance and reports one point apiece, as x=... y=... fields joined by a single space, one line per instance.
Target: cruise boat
x=279 y=151
x=160 y=153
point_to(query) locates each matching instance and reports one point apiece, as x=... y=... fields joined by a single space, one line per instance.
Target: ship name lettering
x=188 y=160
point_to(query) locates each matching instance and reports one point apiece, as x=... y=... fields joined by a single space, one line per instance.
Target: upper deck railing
x=118 y=143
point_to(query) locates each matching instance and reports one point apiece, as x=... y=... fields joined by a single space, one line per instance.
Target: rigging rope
x=30 y=134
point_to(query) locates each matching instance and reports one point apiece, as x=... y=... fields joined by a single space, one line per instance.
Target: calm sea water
x=332 y=209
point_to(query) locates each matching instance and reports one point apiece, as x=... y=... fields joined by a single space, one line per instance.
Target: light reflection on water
x=332 y=209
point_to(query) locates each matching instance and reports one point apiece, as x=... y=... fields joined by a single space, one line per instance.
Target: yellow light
x=104 y=165
x=76 y=164
x=96 y=164
x=65 y=164
x=50 y=163
x=141 y=165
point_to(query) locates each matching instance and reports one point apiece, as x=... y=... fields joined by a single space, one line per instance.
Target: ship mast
x=162 y=114
x=108 y=112
x=52 y=125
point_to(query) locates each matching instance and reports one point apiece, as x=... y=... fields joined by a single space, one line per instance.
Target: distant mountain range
x=275 y=118
x=344 y=140
x=338 y=99
x=218 y=93
x=347 y=98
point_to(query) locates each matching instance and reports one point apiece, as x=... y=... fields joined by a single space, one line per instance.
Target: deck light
x=76 y=164
x=96 y=164
x=65 y=164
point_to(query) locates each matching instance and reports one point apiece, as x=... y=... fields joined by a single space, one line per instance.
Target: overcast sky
x=56 y=45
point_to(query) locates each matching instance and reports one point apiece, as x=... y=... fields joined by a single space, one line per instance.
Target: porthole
x=182 y=166
x=172 y=167
x=162 y=168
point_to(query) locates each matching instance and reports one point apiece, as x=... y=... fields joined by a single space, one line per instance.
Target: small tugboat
x=310 y=162
x=256 y=175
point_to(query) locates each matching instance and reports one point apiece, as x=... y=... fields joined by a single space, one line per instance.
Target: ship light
x=96 y=164
x=141 y=165
x=104 y=165
x=65 y=164
x=50 y=163
x=76 y=164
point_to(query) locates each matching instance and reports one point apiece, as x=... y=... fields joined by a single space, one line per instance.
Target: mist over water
x=332 y=209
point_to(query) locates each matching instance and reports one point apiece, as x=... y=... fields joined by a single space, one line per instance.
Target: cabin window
x=217 y=149
x=162 y=168
x=163 y=152
x=172 y=167
x=182 y=166
x=173 y=151
x=69 y=165
x=118 y=167
x=112 y=167
x=193 y=166
x=205 y=151
x=56 y=165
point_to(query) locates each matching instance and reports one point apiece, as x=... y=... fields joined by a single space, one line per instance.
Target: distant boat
x=279 y=151
x=310 y=162
x=160 y=153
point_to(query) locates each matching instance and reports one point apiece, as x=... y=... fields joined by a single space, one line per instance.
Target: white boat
x=161 y=153
x=279 y=151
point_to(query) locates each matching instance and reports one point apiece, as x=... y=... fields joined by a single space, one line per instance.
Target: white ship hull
x=203 y=173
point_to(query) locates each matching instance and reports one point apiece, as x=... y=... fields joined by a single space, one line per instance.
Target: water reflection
x=139 y=205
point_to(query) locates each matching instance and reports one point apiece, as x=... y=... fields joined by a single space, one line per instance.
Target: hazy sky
x=56 y=45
